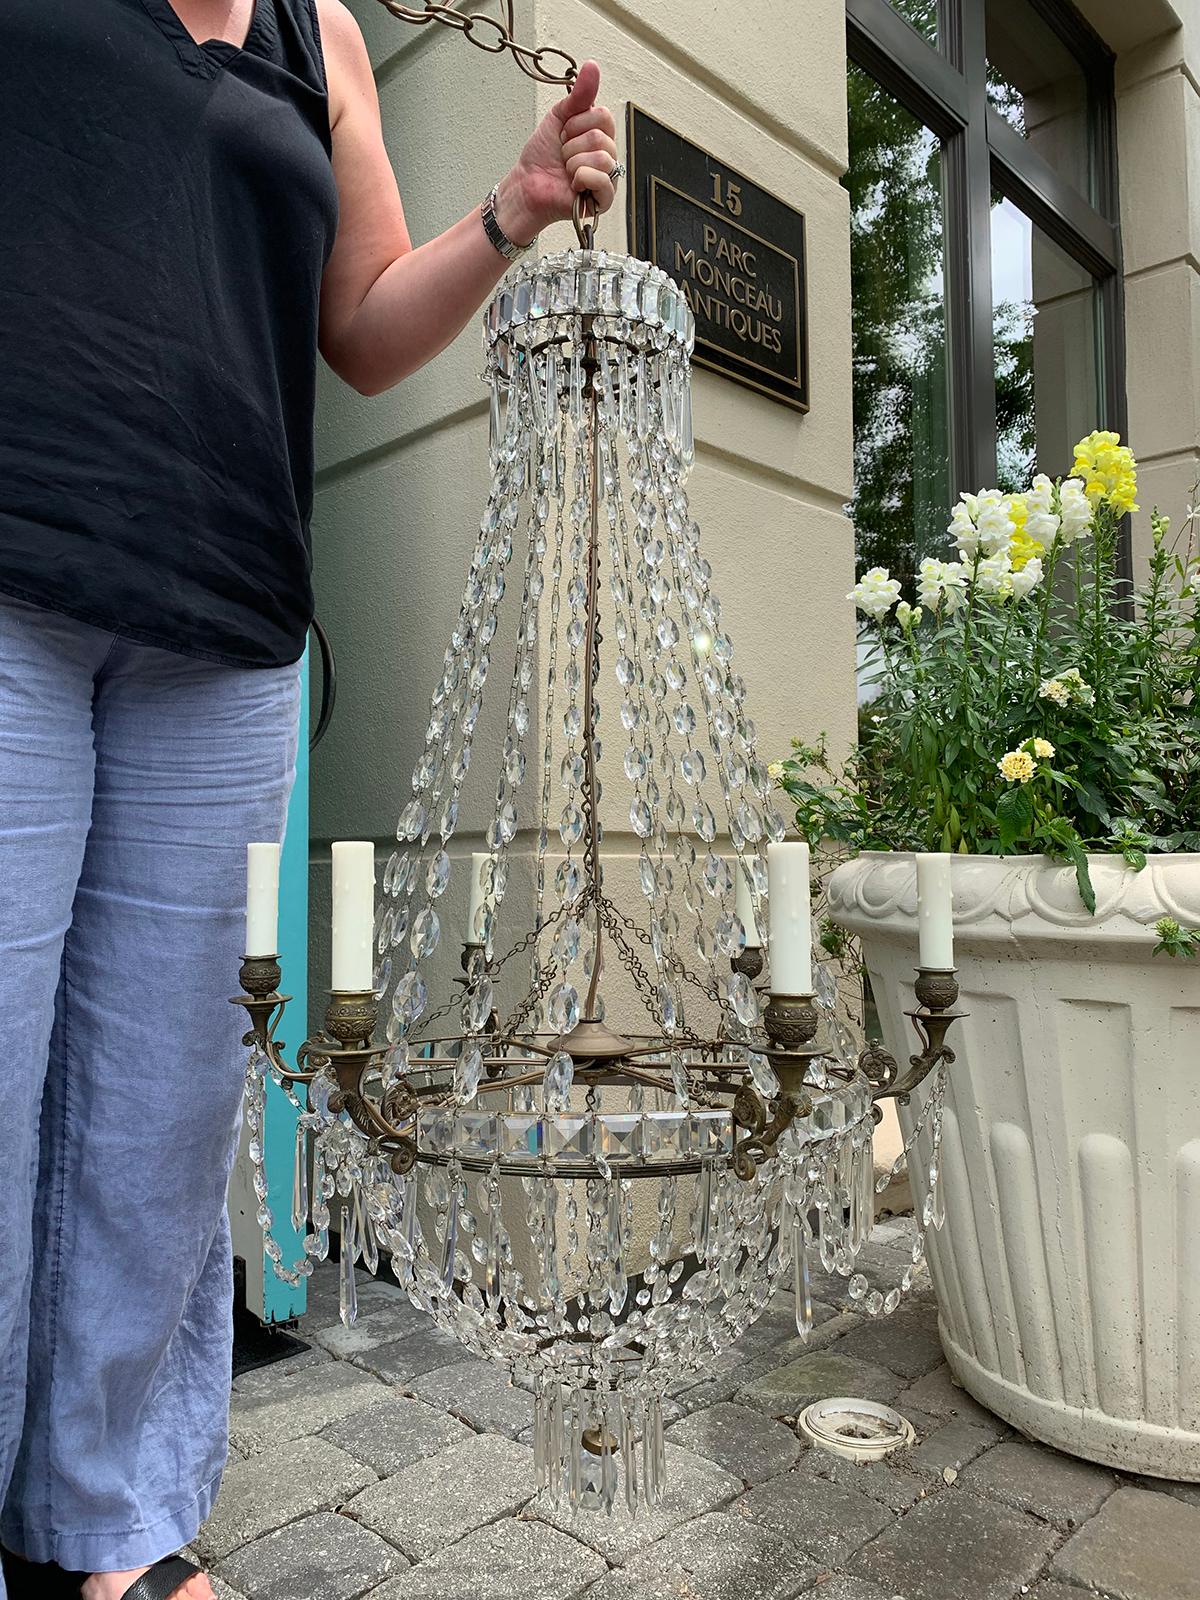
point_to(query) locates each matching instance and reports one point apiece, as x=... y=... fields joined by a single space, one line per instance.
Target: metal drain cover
x=862 y=1430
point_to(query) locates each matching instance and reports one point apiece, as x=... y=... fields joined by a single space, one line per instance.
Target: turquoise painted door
x=281 y=1301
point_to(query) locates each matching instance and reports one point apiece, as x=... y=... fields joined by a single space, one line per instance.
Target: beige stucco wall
x=402 y=479
x=1158 y=132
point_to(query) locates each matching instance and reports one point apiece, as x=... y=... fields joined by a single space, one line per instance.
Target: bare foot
x=113 y=1585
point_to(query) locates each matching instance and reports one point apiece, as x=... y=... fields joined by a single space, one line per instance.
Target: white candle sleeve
x=479 y=896
x=353 y=916
x=745 y=907
x=790 y=899
x=935 y=911
x=262 y=900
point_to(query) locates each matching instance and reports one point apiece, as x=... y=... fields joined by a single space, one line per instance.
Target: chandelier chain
x=672 y=963
x=544 y=63
x=616 y=922
x=522 y=947
x=541 y=987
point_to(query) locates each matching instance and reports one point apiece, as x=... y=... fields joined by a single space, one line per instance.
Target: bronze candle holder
x=937 y=991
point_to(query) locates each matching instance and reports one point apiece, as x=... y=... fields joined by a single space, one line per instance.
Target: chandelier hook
x=583 y=214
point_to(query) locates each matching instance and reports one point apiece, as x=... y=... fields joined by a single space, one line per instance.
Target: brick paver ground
x=382 y=1463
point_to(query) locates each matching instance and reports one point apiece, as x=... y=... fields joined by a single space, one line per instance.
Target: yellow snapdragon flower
x=1024 y=549
x=1108 y=471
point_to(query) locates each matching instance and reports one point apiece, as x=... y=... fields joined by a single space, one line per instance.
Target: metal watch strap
x=507 y=247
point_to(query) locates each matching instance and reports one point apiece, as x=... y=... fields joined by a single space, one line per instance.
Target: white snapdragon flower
x=875 y=593
x=1076 y=511
x=1042 y=523
x=994 y=576
x=962 y=529
x=1027 y=580
x=995 y=522
x=942 y=585
x=908 y=616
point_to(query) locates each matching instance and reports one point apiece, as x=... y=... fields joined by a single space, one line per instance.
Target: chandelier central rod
x=591 y=654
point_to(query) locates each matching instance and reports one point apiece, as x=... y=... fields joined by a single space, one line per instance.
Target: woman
x=196 y=195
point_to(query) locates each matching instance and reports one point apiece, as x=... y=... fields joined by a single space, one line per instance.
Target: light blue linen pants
x=131 y=780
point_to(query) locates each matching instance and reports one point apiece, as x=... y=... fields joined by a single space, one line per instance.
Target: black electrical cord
x=328 y=685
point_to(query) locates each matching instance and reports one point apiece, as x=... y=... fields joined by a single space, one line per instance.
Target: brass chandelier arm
x=937 y=993
x=350 y=1023
x=544 y=64
x=260 y=977
x=750 y=1113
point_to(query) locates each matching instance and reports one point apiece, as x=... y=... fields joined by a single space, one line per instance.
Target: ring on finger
x=617 y=170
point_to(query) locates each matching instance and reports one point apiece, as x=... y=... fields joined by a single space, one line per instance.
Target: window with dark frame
x=985 y=257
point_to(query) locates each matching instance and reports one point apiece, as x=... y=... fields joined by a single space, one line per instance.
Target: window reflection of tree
x=900 y=506
x=902 y=491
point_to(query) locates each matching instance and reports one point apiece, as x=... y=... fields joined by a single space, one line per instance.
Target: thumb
x=582 y=95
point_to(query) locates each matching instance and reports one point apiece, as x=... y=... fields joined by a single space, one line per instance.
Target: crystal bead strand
x=684 y=853
x=700 y=612
x=550 y=683
x=563 y=1005
x=478 y=997
x=720 y=719
x=462 y=686
x=255 y=1107
x=649 y=548
x=639 y=767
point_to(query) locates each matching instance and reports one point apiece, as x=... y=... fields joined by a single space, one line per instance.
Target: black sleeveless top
x=166 y=211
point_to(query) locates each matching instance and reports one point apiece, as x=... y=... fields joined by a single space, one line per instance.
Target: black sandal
x=38 y=1580
x=162 y=1580
x=35 y=1580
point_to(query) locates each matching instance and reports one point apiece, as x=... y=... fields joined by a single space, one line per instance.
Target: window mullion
x=970 y=282
x=880 y=40
x=1057 y=208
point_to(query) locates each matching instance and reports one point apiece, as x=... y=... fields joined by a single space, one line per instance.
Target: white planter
x=1068 y=1270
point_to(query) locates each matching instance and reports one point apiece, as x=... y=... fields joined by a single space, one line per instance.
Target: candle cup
x=750 y=962
x=791 y=1022
x=260 y=976
x=936 y=988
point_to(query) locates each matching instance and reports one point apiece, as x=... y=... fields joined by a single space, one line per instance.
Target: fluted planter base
x=1068 y=1270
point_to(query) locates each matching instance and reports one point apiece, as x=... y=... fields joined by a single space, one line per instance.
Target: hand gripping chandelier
x=602 y=1204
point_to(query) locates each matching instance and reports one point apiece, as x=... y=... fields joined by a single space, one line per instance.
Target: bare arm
x=387 y=308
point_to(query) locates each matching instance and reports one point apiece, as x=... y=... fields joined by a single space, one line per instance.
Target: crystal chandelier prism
x=602 y=1203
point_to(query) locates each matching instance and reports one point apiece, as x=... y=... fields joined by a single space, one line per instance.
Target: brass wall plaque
x=737 y=251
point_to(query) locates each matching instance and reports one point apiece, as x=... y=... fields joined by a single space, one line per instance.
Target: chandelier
x=602 y=1203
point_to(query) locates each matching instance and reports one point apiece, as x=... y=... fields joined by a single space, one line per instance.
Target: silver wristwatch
x=506 y=246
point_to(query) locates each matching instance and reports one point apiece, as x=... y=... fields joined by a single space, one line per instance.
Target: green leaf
x=1014 y=815
x=1083 y=877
